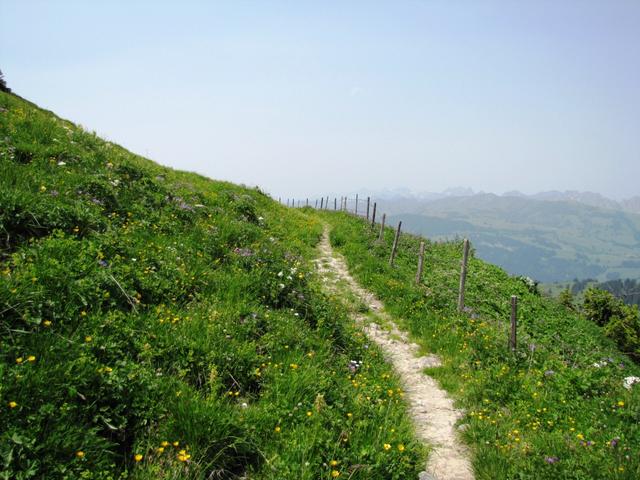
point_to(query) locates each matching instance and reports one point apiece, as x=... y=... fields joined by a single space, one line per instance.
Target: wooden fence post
x=381 y=236
x=373 y=217
x=335 y=203
x=356 y=204
x=287 y=202
x=463 y=274
x=316 y=207
x=307 y=202
x=395 y=244
x=420 y=263
x=368 y=204
x=514 y=322
x=326 y=205
x=321 y=201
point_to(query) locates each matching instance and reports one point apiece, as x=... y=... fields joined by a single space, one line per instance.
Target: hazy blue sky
x=304 y=98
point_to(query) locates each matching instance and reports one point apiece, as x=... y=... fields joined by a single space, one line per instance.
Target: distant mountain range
x=593 y=199
x=549 y=236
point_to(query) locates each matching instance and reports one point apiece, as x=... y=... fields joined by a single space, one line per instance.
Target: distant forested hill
x=551 y=241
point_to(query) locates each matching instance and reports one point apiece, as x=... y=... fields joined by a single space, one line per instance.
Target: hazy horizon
x=309 y=99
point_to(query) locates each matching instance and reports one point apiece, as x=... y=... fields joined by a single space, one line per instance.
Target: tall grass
x=159 y=325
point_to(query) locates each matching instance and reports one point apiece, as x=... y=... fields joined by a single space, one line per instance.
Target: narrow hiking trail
x=431 y=409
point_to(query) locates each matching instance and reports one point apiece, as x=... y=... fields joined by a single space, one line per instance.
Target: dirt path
x=431 y=410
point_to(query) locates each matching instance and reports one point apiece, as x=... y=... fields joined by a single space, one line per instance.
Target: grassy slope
x=545 y=412
x=142 y=305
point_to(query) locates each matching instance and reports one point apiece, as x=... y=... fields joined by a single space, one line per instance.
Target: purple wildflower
x=551 y=460
x=243 y=252
x=549 y=373
x=103 y=263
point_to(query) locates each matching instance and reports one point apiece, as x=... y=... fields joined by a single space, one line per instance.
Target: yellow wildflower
x=164 y=444
x=277 y=429
x=31 y=358
x=80 y=454
x=19 y=360
x=335 y=473
x=13 y=404
x=137 y=457
x=387 y=446
x=401 y=447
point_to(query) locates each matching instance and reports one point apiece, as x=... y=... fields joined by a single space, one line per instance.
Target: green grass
x=142 y=305
x=544 y=412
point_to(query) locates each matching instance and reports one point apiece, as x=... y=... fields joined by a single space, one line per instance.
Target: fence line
x=361 y=207
x=356 y=205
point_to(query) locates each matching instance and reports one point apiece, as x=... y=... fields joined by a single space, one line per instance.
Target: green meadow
x=556 y=408
x=160 y=325
x=156 y=324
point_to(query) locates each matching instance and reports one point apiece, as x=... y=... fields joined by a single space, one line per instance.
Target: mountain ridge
x=594 y=199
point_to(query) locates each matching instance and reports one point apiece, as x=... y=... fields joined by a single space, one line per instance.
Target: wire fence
x=356 y=205
x=366 y=208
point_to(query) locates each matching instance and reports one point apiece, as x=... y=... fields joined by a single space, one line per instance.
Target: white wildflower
x=628 y=382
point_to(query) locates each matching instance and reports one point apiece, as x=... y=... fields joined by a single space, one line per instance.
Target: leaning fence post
x=373 y=217
x=463 y=274
x=368 y=204
x=316 y=206
x=514 y=322
x=335 y=203
x=420 y=263
x=381 y=236
x=395 y=244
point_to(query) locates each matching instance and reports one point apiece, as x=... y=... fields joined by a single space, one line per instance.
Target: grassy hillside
x=159 y=325
x=550 y=241
x=555 y=409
